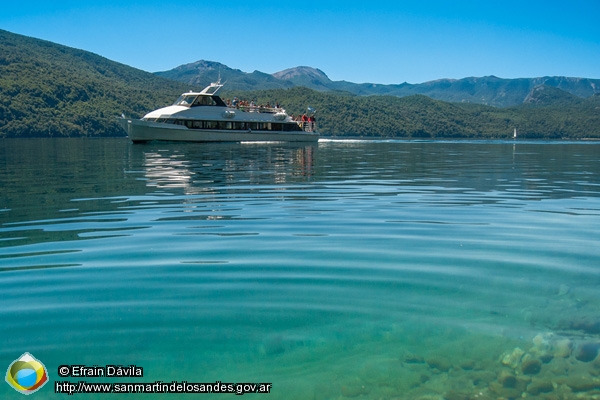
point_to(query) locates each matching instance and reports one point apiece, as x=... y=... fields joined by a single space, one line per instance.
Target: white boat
x=204 y=117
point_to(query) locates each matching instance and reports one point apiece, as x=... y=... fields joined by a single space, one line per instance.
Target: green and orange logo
x=26 y=374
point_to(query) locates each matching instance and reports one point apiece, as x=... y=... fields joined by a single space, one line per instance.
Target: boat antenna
x=218 y=82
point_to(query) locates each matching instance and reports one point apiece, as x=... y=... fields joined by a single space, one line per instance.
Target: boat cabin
x=199 y=99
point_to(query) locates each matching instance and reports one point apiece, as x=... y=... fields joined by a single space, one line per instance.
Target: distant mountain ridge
x=201 y=73
x=487 y=90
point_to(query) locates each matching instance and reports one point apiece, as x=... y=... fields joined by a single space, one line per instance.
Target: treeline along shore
x=50 y=90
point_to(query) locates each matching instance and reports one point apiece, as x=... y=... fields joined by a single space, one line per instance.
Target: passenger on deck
x=311 y=123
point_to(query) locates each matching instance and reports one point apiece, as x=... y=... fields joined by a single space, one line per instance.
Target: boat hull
x=145 y=131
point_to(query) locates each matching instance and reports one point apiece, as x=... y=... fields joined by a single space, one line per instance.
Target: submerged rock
x=481 y=378
x=439 y=363
x=546 y=346
x=531 y=366
x=506 y=391
x=582 y=383
x=553 y=368
x=539 y=386
x=354 y=390
x=513 y=358
x=546 y=358
x=588 y=325
x=467 y=365
x=456 y=395
x=411 y=358
x=542 y=341
x=587 y=352
x=507 y=379
x=562 y=348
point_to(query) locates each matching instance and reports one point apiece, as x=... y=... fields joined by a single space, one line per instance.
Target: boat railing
x=258 y=109
x=309 y=126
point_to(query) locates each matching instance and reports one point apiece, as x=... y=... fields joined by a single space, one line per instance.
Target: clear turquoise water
x=339 y=270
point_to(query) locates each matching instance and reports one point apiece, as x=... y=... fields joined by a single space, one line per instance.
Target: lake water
x=346 y=269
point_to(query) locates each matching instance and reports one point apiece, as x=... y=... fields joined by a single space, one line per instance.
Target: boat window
x=208 y=101
x=185 y=100
x=218 y=101
x=203 y=101
x=234 y=125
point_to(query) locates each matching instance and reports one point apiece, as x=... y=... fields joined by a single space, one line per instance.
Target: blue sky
x=358 y=41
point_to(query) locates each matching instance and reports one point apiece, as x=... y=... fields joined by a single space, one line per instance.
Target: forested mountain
x=488 y=90
x=52 y=90
x=550 y=114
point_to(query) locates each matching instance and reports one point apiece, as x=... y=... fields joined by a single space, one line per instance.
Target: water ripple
x=312 y=266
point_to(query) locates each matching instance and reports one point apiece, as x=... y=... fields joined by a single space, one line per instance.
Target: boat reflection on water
x=198 y=169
